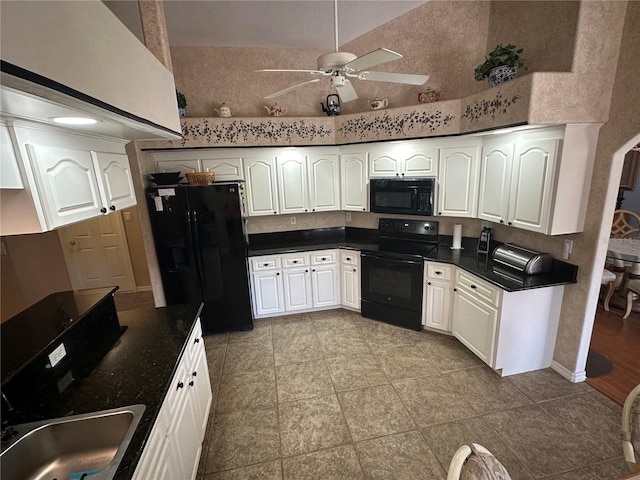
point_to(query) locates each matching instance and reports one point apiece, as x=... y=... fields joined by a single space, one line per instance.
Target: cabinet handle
x=275 y=212
x=194 y=374
x=428 y=283
x=277 y=273
x=397 y=174
x=323 y=258
x=313 y=210
x=501 y=221
x=306 y=271
x=348 y=259
x=402 y=174
x=508 y=223
x=103 y=210
x=180 y=385
x=266 y=265
x=438 y=272
x=364 y=209
x=313 y=270
x=355 y=270
x=295 y=261
x=191 y=383
x=439 y=213
x=305 y=209
x=473 y=286
x=455 y=289
x=197 y=340
x=112 y=208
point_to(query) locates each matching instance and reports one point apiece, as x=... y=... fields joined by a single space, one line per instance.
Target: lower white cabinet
x=437 y=296
x=296 y=282
x=512 y=332
x=350 y=279
x=175 y=443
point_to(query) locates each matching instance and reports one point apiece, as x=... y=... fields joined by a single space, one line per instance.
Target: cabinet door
x=532 y=184
x=200 y=389
x=267 y=293
x=458 y=182
x=185 y=445
x=421 y=163
x=226 y=169
x=324 y=183
x=69 y=184
x=297 y=289
x=260 y=174
x=382 y=164
x=182 y=166
x=292 y=183
x=495 y=182
x=11 y=177
x=350 y=285
x=326 y=289
x=437 y=304
x=474 y=323
x=114 y=180
x=355 y=195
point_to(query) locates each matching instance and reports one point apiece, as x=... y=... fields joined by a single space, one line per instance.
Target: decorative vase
x=428 y=96
x=182 y=112
x=501 y=74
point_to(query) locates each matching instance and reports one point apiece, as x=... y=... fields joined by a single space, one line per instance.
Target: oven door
x=392 y=281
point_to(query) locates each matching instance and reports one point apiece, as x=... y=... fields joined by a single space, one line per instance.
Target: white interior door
x=97 y=254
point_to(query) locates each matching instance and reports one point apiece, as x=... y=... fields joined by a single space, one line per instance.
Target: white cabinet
x=538 y=180
x=182 y=165
x=354 y=181
x=350 y=279
x=292 y=182
x=10 y=177
x=437 y=296
x=225 y=163
x=69 y=178
x=267 y=287
x=324 y=182
x=295 y=282
x=512 y=332
x=175 y=443
x=495 y=182
x=459 y=169
x=262 y=196
x=409 y=158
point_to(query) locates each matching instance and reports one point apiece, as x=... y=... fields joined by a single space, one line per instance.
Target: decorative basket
x=200 y=178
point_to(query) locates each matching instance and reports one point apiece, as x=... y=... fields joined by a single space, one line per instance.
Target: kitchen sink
x=88 y=446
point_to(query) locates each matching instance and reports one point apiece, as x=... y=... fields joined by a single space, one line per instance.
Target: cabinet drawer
x=439 y=271
x=479 y=289
x=194 y=343
x=350 y=258
x=323 y=257
x=295 y=260
x=265 y=263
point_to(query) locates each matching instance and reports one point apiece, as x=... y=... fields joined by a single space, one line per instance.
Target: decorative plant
x=509 y=56
x=182 y=100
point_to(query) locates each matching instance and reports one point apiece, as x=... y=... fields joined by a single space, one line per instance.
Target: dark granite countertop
x=136 y=368
x=481 y=265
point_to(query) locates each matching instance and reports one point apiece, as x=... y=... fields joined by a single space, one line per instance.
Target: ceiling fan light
x=74 y=120
x=337 y=81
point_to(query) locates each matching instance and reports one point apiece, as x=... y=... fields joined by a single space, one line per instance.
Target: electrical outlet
x=567 y=248
x=485 y=224
x=126 y=216
x=293 y=220
x=58 y=354
x=348 y=216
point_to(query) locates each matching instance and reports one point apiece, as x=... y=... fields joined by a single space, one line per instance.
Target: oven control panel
x=393 y=227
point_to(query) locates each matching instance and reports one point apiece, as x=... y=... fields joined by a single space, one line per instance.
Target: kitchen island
x=135 y=367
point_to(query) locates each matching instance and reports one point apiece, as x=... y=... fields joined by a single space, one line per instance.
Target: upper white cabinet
x=410 y=158
x=324 y=182
x=538 y=180
x=292 y=182
x=354 y=181
x=10 y=177
x=459 y=169
x=260 y=173
x=68 y=178
x=225 y=163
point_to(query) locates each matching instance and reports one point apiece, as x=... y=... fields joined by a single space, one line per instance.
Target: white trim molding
x=574 y=377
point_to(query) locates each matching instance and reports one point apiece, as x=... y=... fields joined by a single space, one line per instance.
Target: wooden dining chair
x=626 y=224
x=631 y=430
x=475 y=462
x=631 y=288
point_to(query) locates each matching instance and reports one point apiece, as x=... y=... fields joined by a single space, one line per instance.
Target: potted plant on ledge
x=501 y=65
x=182 y=103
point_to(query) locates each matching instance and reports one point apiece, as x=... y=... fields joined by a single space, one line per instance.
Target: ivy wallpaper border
x=489 y=108
x=393 y=125
x=241 y=131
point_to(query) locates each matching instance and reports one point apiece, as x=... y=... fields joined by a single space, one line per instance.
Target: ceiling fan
x=341 y=66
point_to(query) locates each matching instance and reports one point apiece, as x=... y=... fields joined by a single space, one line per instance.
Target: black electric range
x=392 y=275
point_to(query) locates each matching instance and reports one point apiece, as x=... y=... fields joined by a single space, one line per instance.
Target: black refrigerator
x=201 y=245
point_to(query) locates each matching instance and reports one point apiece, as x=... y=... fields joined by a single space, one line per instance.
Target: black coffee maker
x=333 y=105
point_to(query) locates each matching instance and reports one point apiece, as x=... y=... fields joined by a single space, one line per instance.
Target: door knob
x=73 y=243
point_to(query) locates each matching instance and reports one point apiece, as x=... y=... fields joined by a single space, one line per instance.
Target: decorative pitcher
x=333 y=105
x=224 y=110
x=276 y=110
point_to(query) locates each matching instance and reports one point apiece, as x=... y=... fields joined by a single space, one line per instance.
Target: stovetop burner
x=414 y=238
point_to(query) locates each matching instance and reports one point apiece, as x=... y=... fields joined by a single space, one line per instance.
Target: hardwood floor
x=619 y=341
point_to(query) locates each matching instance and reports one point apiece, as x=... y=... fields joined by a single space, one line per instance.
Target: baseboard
x=574 y=377
x=145 y=288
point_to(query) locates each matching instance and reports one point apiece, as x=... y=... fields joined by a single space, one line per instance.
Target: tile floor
x=332 y=395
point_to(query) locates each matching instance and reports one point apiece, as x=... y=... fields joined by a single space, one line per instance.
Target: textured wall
x=545 y=30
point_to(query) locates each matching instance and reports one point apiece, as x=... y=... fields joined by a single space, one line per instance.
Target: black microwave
x=406 y=196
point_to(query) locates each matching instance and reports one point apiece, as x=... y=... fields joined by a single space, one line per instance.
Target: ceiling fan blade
x=287 y=90
x=371 y=59
x=312 y=72
x=407 y=78
x=346 y=92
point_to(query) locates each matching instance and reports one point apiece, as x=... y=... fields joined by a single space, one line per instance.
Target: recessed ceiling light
x=74 y=120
